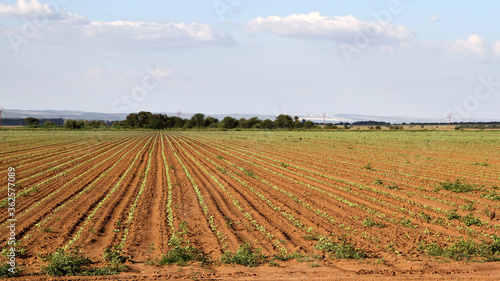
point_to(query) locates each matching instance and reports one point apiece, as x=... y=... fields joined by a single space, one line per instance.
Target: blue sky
x=388 y=58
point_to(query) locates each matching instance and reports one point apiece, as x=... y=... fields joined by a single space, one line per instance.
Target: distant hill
x=82 y=115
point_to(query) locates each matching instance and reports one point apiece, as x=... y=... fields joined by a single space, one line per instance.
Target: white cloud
x=496 y=49
x=340 y=29
x=127 y=34
x=39 y=12
x=474 y=46
x=46 y=24
x=468 y=50
x=434 y=18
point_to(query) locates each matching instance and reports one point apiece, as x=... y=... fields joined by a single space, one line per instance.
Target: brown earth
x=278 y=195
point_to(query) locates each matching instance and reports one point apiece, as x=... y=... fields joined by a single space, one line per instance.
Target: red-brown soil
x=272 y=190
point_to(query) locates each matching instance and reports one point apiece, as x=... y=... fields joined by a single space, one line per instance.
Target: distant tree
x=197 y=120
x=95 y=123
x=267 y=124
x=179 y=122
x=119 y=124
x=157 y=121
x=74 y=124
x=298 y=124
x=252 y=122
x=143 y=118
x=132 y=120
x=189 y=124
x=228 y=123
x=309 y=124
x=283 y=121
x=210 y=122
x=49 y=123
x=31 y=121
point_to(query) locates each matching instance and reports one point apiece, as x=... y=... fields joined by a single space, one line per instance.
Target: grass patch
x=249 y=173
x=341 y=249
x=245 y=255
x=369 y=223
x=312 y=236
x=392 y=186
x=456 y=186
x=452 y=215
x=492 y=196
x=66 y=264
x=284 y=256
x=465 y=249
x=468 y=207
x=180 y=255
x=7 y=271
x=471 y=220
x=20 y=252
x=114 y=256
x=425 y=217
x=74 y=263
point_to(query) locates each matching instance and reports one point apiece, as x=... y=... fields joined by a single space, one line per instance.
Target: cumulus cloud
x=340 y=29
x=472 y=49
x=474 y=45
x=47 y=24
x=496 y=49
x=39 y=12
x=127 y=34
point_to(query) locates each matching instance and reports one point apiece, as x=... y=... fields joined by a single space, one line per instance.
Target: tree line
x=145 y=119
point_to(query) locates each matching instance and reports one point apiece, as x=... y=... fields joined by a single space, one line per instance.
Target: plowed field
x=311 y=205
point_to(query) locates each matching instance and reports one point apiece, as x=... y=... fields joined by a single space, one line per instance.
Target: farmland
x=365 y=202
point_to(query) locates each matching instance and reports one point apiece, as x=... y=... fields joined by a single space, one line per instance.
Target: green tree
x=49 y=123
x=197 y=120
x=228 y=123
x=308 y=124
x=95 y=123
x=252 y=122
x=283 y=121
x=210 y=122
x=179 y=122
x=144 y=118
x=31 y=121
x=267 y=124
x=74 y=124
x=132 y=120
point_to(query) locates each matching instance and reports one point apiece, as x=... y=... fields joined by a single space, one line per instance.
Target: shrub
x=342 y=249
x=5 y=271
x=457 y=186
x=114 y=256
x=180 y=255
x=452 y=215
x=425 y=217
x=471 y=220
x=64 y=264
x=245 y=255
x=369 y=223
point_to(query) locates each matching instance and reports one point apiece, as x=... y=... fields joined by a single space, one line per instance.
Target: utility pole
x=324 y=115
x=449 y=121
